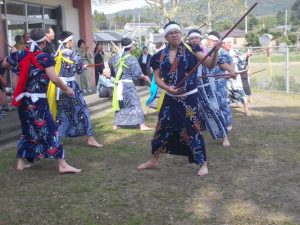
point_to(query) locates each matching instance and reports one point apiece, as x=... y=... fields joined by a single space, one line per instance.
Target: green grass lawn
x=253 y=182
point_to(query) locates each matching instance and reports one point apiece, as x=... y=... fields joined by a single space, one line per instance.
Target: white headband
x=34 y=43
x=213 y=37
x=171 y=27
x=128 y=46
x=61 y=43
x=194 y=34
x=228 y=39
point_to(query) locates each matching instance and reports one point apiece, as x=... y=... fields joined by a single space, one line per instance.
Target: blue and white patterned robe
x=131 y=112
x=39 y=138
x=73 y=117
x=178 y=126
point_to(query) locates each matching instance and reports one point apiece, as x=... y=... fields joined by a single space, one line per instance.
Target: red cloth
x=24 y=68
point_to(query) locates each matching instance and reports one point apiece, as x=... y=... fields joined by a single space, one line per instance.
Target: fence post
x=287 y=80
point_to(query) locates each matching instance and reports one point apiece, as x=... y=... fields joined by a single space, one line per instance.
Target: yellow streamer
x=51 y=92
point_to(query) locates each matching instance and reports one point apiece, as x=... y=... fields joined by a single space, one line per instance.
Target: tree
x=202 y=13
x=252 y=39
x=100 y=21
x=295 y=17
x=280 y=18
x=252 y=23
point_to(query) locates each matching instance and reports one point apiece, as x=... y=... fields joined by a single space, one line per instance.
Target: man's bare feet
x=94 y=143
x=64 y=167
x=251 y=100
x=143 y=127
x=229 y=128
x=150 y=164
x=115 y=127
x=21 y=165
x=203 y=170
x=226 y=142
x=247 y=113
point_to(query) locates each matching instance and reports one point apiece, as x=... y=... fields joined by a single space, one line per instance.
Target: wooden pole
x=180 y=84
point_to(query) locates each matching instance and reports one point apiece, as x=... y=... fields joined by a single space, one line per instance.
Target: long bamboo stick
x=180 y=84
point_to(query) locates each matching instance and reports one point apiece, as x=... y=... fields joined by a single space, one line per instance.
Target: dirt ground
x=256 y=181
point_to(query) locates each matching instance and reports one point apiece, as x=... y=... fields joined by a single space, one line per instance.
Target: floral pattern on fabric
x=131 y=112
x=178 y=127
x=39 y=138
x=73 y=117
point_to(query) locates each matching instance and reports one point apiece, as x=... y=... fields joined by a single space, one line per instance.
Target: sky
x=123 y=5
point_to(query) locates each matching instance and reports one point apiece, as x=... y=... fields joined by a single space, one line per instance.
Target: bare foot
x=226 y=142
x=143 y=127
x=203 y=170
x=64 y=167
x=247 y=113
x=150 y=164
x=229 y=128
x=21 y=165
x=115 y=127
x=94 y=143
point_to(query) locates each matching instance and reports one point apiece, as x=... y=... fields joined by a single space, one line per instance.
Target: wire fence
x=280 y=67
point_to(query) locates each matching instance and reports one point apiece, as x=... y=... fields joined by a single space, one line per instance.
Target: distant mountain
x=264 y=7
x=270 y=7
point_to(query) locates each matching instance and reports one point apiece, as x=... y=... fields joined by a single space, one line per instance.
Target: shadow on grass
x=255 y=181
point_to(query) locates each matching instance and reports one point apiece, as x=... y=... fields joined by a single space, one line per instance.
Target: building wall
x=77 y=18
x=1 y=36
x=85 y=23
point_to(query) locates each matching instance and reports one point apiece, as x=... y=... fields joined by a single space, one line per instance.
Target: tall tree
x=295 y=17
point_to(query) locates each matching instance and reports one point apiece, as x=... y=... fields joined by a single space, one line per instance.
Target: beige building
x=237 y=36
x=18 y=17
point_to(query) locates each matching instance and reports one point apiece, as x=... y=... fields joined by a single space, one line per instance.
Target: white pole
x=287 y=80
x=285 y=27
x=246 y=19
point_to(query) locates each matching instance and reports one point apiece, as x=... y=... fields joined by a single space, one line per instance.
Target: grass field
x=256 y=181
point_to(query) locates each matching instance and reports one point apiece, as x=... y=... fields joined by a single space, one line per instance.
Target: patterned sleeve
x=135 y=68
x=154 y=63
x=224 y=58
x=13 y=60
x=78 y=62
x=45 y=60
x=196 y=48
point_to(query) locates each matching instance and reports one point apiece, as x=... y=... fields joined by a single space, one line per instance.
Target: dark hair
x=127 y=49
x=65 y=34
x=80 y=42
x=215 y=33
x=145 y=48
x=48 y=29
x=19 y=39
x=126 y=41
x=37 y=34
x=194 y=31
x=95 y=49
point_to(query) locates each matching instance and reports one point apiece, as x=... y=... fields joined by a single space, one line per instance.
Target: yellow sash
x=51 y=92
x=120 y=64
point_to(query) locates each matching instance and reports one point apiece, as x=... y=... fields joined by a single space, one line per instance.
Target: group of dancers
x=47 y=114
x=51 y=106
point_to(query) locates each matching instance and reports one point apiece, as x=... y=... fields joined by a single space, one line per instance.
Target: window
x=34 y=11
x=235 y=41
x=17 y=9
x=50 y=13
